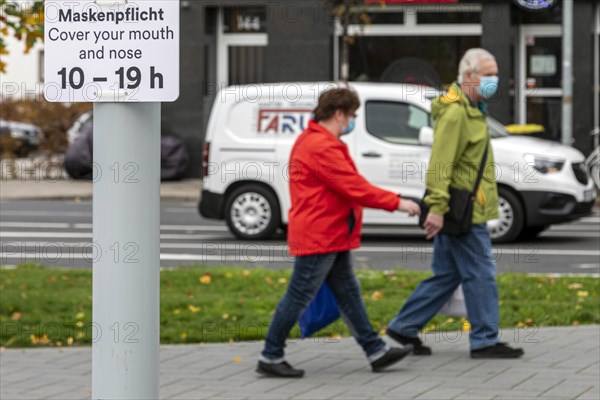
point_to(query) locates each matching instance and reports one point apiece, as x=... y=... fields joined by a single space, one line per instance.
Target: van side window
x=395 y=122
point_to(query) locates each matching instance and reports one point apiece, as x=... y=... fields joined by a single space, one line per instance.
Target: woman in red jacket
x=328 y=195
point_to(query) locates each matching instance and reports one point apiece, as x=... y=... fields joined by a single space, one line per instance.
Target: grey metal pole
x=567 y=75
x=126 y=265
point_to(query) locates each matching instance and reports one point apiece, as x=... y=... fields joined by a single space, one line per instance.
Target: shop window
x=449 y=18
x=385 y=18
x=395 y=122
x=427 y=60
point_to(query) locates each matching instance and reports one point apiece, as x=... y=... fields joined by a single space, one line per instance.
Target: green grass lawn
x=52 y=307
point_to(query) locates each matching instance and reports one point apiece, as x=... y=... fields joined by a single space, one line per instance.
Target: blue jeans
x=309 y=274
x=464 y=259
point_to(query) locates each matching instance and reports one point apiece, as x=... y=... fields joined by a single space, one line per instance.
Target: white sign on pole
x=111 y=50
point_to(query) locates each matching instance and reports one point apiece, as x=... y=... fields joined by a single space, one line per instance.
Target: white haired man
x=461 y=142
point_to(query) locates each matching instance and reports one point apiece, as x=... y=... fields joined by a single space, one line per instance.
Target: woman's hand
x=410 y=207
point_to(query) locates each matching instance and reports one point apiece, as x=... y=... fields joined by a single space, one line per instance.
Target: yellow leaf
x=70 y=341
x=582 y=293
x=79 y=324
x=183 y=335
x=377 y=295
x=529 y=322
x=80 y=315
x=58 y=344
x=80 y=335
x=16 y=316
x=237 y=359
x=520 y=324
x=575 y=286
x=282 y=280
x=177 y=311
x=205 y=279
x=246 y=272
x=466 y=326
x=225 y=316
x=268 y=280
x=228 y=275
x=193 y=308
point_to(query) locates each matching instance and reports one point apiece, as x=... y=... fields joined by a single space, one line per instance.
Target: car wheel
x=252 y=212
x=511 y=218
x=531 y=232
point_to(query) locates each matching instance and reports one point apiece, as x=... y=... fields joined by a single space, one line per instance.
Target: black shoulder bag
x=458 y=220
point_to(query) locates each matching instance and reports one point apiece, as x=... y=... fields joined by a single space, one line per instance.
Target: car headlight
x=18 y=134
x=545 y=165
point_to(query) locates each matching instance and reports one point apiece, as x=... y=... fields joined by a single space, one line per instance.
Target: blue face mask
x=488 y=86
x=350 y=127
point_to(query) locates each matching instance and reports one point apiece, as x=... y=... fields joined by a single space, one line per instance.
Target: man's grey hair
x=472 y=60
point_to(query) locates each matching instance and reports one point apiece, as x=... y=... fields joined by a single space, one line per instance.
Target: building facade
x=226 y=42
x=239 y=42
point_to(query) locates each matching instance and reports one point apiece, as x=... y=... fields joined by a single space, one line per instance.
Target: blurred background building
x=228 y=42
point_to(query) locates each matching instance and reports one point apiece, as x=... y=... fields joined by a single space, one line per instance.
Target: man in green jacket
x=460 y=139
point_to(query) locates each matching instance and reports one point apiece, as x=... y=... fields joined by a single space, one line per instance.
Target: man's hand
x=433 y=224
x=410 y=207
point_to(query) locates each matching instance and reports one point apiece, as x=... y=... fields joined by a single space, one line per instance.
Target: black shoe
x=499 y=350
x=418 y=348
x=279 y=370
x=391 y=357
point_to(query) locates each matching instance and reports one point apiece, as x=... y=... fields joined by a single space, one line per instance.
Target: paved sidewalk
x=185 y=190
x=560 y=363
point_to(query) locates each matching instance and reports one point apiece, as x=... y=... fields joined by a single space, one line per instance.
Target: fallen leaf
x=282 y=280
x=205 y=279
x=183 y=335
x=190 y=295
x=268 y=280
x=177 y=311
x=79 y=335
x=377 y=295
x=80 y=315
x=529 y=322
x=52 y=279
x=520 y=324
x=228 y=275
x=466 y=326
x=193 y=308
x=79 y=324
x=237 y=359
x=575 y=286
x=225 y=316
x=582 y=293
x=58 y=344
x=246 y=272
x=16 y=316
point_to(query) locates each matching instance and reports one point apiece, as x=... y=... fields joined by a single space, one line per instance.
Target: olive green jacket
x=460 y=137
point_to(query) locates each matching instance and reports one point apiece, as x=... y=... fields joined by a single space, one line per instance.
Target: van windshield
x=497 y=130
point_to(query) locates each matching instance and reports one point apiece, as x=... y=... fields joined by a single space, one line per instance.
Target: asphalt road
x=59 y=234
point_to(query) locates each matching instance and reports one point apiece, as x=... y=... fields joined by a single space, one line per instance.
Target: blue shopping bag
x=321 y=312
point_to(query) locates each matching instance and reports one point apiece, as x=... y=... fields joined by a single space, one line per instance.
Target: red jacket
x=328 y=195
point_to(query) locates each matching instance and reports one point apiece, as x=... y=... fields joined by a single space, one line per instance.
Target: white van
x=252 y=129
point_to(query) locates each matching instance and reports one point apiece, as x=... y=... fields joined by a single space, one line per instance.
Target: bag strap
x=481 y=167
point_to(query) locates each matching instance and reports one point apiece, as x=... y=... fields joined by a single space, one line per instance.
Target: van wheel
x=252 y=212
x=511 y=218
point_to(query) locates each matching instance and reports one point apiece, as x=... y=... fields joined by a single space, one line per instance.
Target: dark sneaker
x=499 y=350
x=391 y=357
x=418 y=348
x=279 y=370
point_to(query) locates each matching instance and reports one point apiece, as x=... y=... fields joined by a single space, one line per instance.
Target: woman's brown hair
x=336 y=99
